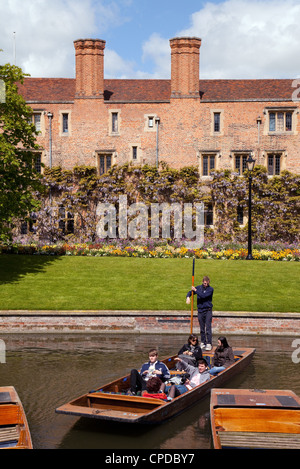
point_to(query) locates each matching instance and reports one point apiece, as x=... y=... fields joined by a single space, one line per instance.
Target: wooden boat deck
x=14 y=430
x=243 y=418
x=110 y=402
x=253 y=440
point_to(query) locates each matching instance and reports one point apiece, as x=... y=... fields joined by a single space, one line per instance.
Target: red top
x=159 y=395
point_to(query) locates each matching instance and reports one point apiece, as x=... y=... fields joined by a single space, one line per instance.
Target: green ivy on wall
x=76 y=193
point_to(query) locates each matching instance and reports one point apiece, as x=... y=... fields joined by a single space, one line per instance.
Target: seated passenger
x=156 y=388
x=198 y=375
x=191 y=352
x=154 y=367
x=223 y=357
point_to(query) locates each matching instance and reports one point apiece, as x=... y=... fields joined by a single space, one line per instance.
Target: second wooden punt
x=14 y=429
x=252 y=418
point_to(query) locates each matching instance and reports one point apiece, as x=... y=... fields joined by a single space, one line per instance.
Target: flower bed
x=150 y=250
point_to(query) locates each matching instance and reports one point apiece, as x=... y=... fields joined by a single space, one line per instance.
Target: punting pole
x=192 y=302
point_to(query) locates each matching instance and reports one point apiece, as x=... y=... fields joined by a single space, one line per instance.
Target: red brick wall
x=89 y=55
x=164 y=322
x=186 y=119
x=185 y=67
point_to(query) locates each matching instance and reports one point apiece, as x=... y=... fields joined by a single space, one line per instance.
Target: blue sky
x=240 y=38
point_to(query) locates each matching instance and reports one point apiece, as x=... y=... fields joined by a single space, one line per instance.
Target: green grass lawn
x=61 y=283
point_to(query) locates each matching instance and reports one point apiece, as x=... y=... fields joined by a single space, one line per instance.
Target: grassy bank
x=60 y=283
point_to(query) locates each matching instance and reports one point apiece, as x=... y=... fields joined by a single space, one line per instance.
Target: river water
x=49 y=370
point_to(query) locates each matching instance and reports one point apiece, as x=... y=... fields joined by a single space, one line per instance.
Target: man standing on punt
x=204 y=305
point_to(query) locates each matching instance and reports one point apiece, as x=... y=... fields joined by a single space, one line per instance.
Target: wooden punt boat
x=251 y=418
x=110 y=402
x=14 y=430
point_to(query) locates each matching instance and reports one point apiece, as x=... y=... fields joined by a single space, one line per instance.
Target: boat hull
x=255 y=419
x=14 y=429
x=103 y=404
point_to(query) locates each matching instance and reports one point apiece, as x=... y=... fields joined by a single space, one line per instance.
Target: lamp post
x=157 y=121
x=50 y=115
x=250 y=165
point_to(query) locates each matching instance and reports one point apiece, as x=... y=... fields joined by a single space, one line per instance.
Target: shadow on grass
x=13 y=267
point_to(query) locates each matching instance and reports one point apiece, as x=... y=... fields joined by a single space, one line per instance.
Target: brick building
x=183 y=121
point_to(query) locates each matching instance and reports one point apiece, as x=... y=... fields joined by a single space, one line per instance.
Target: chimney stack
x=89 y=55
x=185 y=52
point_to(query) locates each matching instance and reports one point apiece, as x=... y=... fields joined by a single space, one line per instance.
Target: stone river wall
x=147 y=322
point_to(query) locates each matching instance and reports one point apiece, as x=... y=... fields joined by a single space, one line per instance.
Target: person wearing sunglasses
x=191 y=352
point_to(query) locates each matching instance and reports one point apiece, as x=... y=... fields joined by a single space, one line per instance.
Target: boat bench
x=124 y=397
x=10 y=414
x=119 y=405
x=259 y=440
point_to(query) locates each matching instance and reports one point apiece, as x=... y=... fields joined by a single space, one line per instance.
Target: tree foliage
x=18 y=180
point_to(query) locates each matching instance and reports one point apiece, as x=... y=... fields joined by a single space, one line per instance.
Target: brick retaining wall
x=146 y=322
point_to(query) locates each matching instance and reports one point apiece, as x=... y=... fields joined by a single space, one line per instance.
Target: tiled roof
x=137 y=90
x=246 y=90
x=42 y=90
x=47 y=89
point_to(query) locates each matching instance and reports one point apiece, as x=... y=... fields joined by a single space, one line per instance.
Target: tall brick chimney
x=185 y=52
x=89 y=55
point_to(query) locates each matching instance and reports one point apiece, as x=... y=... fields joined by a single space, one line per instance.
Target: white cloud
x=248 y=39
x=45 y=32
x=157 y=49
x=240 y=38
x=115 y=66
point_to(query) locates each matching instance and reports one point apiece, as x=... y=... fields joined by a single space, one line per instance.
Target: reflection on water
x=48 y=371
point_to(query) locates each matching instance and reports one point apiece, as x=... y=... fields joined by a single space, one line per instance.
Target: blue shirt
x=204 y=297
